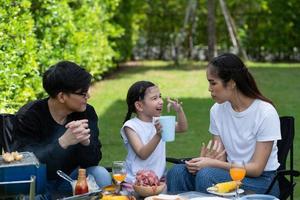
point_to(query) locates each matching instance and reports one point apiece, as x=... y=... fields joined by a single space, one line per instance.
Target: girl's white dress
x=156 y=161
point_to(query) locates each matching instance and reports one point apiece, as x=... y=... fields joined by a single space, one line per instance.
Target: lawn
x=188 y=83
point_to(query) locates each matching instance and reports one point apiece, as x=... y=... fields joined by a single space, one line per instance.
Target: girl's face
x=219 y=92
x=152 y=104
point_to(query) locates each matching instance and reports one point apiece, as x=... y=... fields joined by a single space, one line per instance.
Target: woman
x=245 y=123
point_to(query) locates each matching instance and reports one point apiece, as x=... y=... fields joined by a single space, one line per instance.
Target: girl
x=245 y=123
x=142 y=138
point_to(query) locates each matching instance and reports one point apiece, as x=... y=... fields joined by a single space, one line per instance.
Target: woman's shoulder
x=265 y=106
x=219 y=106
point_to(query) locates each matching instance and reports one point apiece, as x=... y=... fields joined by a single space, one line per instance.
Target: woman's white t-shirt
x=239 y=131
x=156 y=161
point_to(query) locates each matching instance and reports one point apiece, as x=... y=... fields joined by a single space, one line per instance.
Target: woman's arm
x=253 y=169
x=143 y=151
x=259 y=159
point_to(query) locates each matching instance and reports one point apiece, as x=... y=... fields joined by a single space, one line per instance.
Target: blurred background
x=101 y=34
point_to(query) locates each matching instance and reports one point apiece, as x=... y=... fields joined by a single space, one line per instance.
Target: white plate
x=227 y=194
x=259 y=196
x=164 y=197
x=209 y=198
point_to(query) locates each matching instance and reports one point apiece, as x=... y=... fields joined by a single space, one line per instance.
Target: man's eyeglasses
x=83 y=94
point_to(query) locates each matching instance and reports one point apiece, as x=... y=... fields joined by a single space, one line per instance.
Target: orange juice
x=237 y=174
x=119 y=177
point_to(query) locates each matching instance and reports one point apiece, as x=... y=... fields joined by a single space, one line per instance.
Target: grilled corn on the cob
x=224 y=187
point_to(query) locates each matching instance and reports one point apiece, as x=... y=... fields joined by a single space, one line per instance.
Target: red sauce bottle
x=81 y=185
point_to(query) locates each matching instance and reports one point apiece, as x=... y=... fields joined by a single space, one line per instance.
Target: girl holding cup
x=142 y=137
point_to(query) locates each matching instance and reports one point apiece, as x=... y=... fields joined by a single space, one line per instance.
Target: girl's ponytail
x=128 y=115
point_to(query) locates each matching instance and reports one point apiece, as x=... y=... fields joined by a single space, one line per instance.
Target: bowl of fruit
x=148 y=184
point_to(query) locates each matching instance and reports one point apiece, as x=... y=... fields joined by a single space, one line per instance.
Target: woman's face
x=219 y=92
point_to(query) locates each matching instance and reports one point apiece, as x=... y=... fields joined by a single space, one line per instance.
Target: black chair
x=6 y=131
x=285 y=176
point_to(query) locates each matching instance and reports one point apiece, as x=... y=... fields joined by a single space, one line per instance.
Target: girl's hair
x=228 y=67
x=136 y=93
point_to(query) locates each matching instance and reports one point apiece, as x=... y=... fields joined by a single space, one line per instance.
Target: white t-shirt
x=156 y=161
x=239 y=131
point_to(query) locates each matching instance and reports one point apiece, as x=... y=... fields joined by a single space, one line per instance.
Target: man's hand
x=77 y=132
x=212 y=150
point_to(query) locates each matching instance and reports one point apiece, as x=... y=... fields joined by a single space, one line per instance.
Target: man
x=62 y=129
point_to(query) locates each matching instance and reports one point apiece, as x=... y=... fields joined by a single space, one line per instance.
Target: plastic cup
x=168 y=128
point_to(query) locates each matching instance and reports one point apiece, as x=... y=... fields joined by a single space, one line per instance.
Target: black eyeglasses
x=83 y=94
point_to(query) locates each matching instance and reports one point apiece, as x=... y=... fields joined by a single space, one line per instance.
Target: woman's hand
x=175 y=104
x=212 y=150
x=195 y=164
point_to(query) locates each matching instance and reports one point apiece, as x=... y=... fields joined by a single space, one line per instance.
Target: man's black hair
x=66 y=76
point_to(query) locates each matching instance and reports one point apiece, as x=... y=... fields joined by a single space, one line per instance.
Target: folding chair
x=38 y=176
x=6 y=130
x=284 y=176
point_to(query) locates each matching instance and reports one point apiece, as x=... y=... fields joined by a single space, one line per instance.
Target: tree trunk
x=232 y=30
x=182 y=33
x=192 y=29
x=211 y=29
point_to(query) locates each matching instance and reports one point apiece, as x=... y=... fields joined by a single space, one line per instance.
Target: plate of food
x=164 y=197
x=225 y=189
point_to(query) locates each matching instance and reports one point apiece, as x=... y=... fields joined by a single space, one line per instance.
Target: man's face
x=77 y=101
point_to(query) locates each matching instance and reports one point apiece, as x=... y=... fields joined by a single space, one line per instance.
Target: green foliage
x=19 y=77
x=37 y=34
x=130 y=16
x=266 y=28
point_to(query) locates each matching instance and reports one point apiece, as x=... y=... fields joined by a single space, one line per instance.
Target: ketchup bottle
x=81 y=185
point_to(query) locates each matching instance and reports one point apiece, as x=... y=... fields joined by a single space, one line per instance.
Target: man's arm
x=90 y=155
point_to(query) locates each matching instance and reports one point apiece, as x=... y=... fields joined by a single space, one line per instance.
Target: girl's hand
x=196 y=164
x=158 y=127
x=175 y=104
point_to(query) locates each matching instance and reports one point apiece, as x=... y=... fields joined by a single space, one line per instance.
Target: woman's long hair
x=228 y=67
x=136 y=93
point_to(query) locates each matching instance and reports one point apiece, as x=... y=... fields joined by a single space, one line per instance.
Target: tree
x=211 y=29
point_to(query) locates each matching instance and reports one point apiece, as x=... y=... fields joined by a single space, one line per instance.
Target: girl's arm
x=181 y=124
x=143 y=151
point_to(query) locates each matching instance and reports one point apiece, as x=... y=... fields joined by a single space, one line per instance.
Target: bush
x=20 y=81
x=37 y=34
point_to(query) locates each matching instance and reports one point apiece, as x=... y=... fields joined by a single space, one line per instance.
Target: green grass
x=188 y=83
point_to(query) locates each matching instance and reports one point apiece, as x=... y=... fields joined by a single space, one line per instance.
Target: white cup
x=168 y=128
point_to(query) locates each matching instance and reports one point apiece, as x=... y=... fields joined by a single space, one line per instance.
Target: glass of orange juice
x=237 y=173
x=119 y=173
